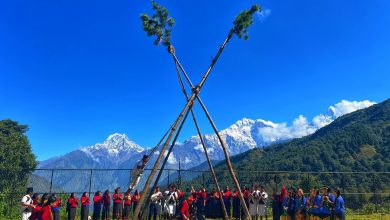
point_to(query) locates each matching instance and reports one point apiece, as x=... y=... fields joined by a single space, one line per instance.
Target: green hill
x=356 y=142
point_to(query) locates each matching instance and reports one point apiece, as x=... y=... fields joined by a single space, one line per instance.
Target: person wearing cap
x=27 y=204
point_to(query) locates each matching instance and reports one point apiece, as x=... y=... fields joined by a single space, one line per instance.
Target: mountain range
x=118 y=151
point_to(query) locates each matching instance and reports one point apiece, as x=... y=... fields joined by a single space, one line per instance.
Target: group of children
x=194 y=204
x=321 y=204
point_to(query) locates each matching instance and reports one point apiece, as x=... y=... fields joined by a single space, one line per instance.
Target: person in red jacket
x=56 y=207
x=97 y=205
x=46 y=213
x=227 y=199
x=127 y=206
x=117 y=198
x=106 y=205
x=85 y=202
x=37 y=212
x=36 y=199
x=72 y=206
x=182 y=207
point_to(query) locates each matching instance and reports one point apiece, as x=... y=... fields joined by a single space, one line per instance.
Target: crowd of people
x=191 y=204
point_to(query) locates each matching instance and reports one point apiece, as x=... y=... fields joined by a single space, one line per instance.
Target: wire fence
x=367 y=194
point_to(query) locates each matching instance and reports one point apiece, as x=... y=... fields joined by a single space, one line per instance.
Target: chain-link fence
x=367 y=194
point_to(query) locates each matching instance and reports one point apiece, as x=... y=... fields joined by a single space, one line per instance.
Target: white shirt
x=26 y=199
x=156 y=197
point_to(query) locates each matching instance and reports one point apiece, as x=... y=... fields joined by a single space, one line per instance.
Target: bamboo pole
x=147 y=201
x=224 y=148
x=226 y=216
x=188 y=105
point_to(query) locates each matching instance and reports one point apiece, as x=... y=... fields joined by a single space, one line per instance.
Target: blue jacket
x=339 y=207
x=317 y=202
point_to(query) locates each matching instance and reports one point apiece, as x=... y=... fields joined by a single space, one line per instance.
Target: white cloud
x=302 y=127
x=345 y=107
x=172 y=159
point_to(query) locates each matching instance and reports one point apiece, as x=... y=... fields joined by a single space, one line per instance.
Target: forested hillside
x=356 y=142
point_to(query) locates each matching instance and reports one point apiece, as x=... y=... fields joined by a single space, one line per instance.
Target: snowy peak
x=122 y=142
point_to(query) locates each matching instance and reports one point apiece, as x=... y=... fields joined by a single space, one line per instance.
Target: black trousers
x=72 y=214
x=152 y=211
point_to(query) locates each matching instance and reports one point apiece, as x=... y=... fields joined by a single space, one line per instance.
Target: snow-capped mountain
x=117 y=148
x=118 y=151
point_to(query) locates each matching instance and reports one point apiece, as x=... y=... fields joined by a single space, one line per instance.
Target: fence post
x=90 y=183
x=51 y=180
x=168 y=177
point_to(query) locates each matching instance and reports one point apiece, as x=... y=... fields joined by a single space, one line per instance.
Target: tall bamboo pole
x=189 y=105
x=226 y=216
x=224 y=148
x=147 y=201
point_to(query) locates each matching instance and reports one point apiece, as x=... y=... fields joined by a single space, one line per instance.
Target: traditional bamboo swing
x=160 y=25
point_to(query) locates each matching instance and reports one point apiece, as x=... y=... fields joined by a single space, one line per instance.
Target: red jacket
x=227 y=194
x=35 y=212
x=107 y=200
x=97 y=200
x=45 y=213
x=85 y=201
x=73 y=202
x=184 y=209
x=117 y=198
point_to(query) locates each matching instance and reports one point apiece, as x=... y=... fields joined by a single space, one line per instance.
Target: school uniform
x=316 y=210
x=55 y=209
x=292 y=207
x=254 y=202
x=154 y=205
x=126 y=208
x=72 y=206
x=171 y=203
x=200 y=205
x=134 y=201
x=182 y=209
x=246 y=194
x=236 y=205
x=85 y=202
x=227 y=196
x=309 y=206
x=301 y=207
x=262 y=204
x=276 y=207
x=218 y=206
x=26 y=211
x=45 y=213
x=117 y=205
x=339 y=208
x=106 y=207
x=97 y=207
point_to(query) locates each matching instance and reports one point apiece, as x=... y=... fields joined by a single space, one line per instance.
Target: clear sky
x=77 y=71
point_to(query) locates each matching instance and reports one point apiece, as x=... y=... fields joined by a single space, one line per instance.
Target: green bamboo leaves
x=159 y=25
x=244 y=20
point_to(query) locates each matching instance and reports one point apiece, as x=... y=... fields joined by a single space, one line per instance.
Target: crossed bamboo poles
x=179 y=122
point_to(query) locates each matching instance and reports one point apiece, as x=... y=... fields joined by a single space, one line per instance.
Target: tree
x=16 y=160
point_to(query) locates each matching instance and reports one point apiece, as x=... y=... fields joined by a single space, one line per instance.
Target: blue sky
x=77 y=71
